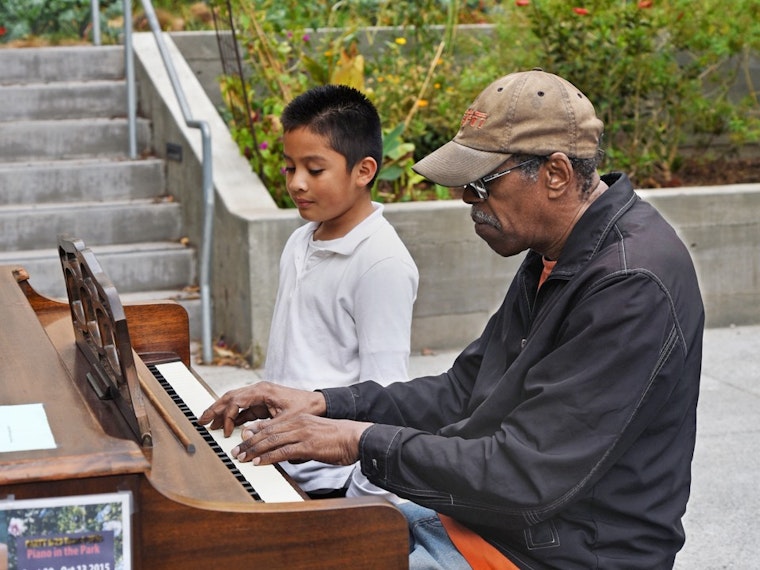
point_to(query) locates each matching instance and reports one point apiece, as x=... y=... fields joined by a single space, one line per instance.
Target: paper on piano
x=24 y=427
x=269 y=483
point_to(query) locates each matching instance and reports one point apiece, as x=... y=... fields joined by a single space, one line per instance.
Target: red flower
x=581 y=11
x=645 y=4
x=2 y=30
x=522 y=2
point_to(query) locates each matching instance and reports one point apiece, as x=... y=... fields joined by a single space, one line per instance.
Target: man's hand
x=262 y=400
x=301 y=437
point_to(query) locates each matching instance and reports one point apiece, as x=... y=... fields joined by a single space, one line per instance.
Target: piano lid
x=100 y=328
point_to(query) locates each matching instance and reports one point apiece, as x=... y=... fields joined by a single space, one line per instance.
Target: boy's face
x=321 y=188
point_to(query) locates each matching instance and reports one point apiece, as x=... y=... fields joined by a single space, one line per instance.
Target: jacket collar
x=595 y=224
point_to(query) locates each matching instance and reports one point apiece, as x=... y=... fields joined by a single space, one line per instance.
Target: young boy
x=347 y=282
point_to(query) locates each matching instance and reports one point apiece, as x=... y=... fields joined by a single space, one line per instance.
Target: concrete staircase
x=64 y=168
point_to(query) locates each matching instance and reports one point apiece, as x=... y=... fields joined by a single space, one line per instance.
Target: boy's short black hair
x=344 y=116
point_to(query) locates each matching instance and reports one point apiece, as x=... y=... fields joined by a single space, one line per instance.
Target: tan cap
x=530 y=112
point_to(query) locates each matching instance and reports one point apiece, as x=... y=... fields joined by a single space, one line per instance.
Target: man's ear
x=365 y=170
x=559 y=174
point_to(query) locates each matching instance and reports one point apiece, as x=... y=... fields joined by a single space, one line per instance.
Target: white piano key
x=265 y=479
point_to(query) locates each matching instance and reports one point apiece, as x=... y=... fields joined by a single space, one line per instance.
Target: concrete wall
x=721 y=227
x=461 y=280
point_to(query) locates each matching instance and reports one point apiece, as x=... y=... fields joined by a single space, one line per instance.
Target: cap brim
x=454 y=164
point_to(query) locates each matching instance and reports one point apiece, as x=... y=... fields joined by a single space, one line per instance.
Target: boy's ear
x=366 y=170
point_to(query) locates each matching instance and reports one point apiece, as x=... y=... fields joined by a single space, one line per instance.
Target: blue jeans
x=429 y=545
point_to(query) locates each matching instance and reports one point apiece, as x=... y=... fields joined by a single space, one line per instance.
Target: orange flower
x=581 y=11
x=645 y=4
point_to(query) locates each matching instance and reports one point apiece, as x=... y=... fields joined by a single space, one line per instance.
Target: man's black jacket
x=564 y=435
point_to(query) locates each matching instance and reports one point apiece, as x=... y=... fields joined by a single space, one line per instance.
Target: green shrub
x=44 y=22
x=55 y=19
x=412 y=73
x=659 y=72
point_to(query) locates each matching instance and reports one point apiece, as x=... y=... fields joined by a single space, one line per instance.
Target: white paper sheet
x=24 y=427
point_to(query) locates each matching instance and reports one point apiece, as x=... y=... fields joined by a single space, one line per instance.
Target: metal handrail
x=95 y=13
x=208 y=185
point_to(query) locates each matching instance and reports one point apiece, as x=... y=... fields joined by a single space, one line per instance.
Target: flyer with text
x=82 y=532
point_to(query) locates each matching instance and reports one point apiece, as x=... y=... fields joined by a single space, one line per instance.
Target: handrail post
x=95 y=11
x=208 y=180
x=206 y=249
x=129 y=68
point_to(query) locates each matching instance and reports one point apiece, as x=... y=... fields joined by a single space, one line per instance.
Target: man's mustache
x=480 y=217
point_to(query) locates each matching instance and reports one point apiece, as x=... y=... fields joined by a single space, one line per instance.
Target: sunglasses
x=478 y=187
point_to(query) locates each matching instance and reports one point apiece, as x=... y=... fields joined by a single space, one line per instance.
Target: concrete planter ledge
x=461 y=280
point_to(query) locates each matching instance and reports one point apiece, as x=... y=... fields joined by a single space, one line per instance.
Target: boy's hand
x=261 y=400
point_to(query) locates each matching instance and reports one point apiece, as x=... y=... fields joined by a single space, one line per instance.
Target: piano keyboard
x=264 y=482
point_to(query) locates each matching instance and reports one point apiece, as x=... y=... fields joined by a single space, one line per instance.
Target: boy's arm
x=384 y=300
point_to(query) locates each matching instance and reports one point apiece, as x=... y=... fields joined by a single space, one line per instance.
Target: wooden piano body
x=189 y=511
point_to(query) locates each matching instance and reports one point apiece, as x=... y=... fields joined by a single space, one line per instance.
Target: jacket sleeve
x=608 y=370
x=407 y=404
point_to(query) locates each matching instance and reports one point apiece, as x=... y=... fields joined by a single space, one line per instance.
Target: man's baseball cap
x=529 y=112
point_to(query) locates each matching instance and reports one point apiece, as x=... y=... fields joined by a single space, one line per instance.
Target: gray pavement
x=720 y=518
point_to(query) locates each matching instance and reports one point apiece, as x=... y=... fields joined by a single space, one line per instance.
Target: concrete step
x=105 y=223
x=63 y=100
x=70 y=139
x=135 y=269
x=91 y=180
x=64 y=169
x=75 y=63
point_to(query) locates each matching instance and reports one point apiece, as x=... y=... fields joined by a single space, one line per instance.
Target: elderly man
x=563 y=436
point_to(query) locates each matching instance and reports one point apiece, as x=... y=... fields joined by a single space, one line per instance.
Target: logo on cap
x=475 y=118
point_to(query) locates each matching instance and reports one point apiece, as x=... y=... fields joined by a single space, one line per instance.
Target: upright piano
x=100 y=369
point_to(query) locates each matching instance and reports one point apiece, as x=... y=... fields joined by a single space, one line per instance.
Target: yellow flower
x=437 y=86
x=422 y=103
x=401 y=41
